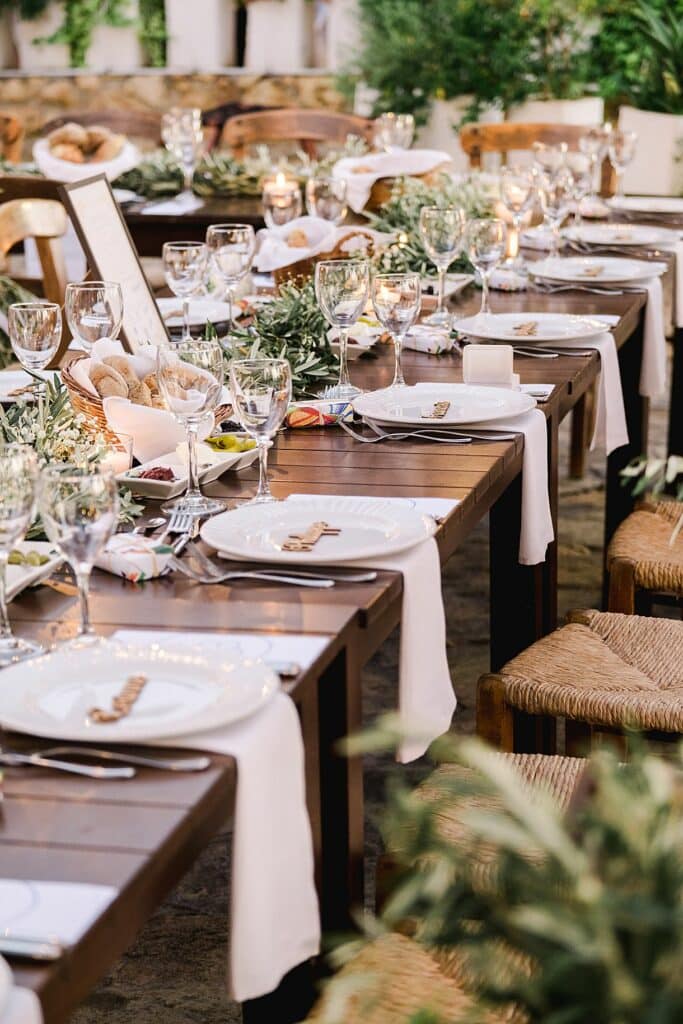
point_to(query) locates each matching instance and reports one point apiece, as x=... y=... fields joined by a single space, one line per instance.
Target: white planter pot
x=279 y=34
x=201 y=34
x=111 y=48
x=660 y=134
x=589 y=110
x=342 y=32
x=441 y=131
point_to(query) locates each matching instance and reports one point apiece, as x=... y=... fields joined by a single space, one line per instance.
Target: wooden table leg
x=676 y=407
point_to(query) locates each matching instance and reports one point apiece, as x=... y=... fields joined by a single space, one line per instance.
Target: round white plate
x=5 y=982
x=549 y=326
x=470 y=403
x=617 y=234
x=595 y=269
x=188 y=691
x=370 y=528
x=201 y=311
x=647 y=204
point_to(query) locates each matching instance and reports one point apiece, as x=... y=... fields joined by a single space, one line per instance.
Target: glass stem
x=343 y=356
x=620 y=184
x=555 y=245
x=263 y=485
x=188 y=177
x=399 y=379
x=193 y=474
x=442 y=290
x=229 y=296
x=485 y=304
x=186 y=319
x=83 y=582
x=5 y=628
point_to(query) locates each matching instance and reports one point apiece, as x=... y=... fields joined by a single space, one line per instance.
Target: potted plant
x=639 y=56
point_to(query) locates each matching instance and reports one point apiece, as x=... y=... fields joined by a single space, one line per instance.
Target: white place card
x=60 y=912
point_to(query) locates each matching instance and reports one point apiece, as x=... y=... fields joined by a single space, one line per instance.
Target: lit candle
x=281 y=200
x=487 y=364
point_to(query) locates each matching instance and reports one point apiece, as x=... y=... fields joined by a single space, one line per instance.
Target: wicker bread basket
x=302 y=270
x=383 y=187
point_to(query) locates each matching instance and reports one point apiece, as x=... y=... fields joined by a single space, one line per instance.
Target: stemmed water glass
x=79 y=508
x=18 y=475
x=326 y=198
x=262 y=391
x=518 y=191
x=622 y=149
x=342 y=288
x=442 y=230
x=94 y=310
x=190 y=377
x=594 y=144
x=557 y=192
x=397 y=299
x=580 y=167
x=394 y=132
x=184 y=270
x=182 y=135
x=486 y=247
x=231 y=249
x=35 y=330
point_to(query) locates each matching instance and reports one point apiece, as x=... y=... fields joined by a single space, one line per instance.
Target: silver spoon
x=151 y=524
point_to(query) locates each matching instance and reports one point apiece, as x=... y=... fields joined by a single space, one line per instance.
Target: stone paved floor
x=174 y=974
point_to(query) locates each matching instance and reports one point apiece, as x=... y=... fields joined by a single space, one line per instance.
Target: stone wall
x=39 y=98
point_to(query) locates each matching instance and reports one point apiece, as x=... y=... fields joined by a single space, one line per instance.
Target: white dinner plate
x=617 y=234
x=202 y=311
x=595 y=269
x=648 y=204
x=208 y=472
x=469 y=403
x=187 y=691
x=370 y=528
x=11 y=380
x=5 y=984
x=549 y=326
x=19 y=577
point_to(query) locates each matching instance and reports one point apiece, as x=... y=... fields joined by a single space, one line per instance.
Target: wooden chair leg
x=577 y=738
x=622 y=588
x=495 y=718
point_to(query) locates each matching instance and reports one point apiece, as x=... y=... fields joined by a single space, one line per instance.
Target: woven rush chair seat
x=606 y=670
x=642 y=557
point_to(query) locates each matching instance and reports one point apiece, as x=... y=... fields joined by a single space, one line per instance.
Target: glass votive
x=281 y=200
x=119 y=458
x=394 y=131
x=326 y=198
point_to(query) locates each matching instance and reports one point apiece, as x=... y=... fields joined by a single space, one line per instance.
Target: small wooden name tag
x=595 y=271
x=121 y=705
x=305 y=541
x=438 y=412
x=527 y=330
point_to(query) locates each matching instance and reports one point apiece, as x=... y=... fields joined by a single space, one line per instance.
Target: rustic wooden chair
x=603 y=673
x=138 y=125
x=643 y=565
x=307 y=128
x=11 y=138
x=46 y=221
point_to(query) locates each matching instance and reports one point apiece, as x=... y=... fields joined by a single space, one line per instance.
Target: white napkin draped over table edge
x=409 y=162
x=22 y=1007
x=274 y=915
x=182 y=203
x=426 y=697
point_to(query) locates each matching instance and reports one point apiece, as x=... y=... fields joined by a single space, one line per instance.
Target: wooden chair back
x=138 y=125
x=308 y=128
x=479 y=138
x=11 y=138
x=46 y=221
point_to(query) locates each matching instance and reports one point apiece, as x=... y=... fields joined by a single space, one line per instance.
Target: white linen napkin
x=361 y=172
x=653 y=366
x=432 y=340
x=155 y=432
x=426 y=697
x=133 y=557
x=274 y=916
x=275 y=250
x=22 y=1007
x=182 y=203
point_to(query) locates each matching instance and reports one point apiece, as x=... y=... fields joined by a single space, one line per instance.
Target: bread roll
x=67 y=151
x=108 y=149
x=71 y=134
x=108 y=383
x=97 y=134
x=139 y=393
x=122 y=366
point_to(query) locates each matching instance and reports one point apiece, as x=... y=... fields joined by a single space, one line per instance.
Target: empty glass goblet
x=262 y=391
x=557 y=191
x=622 y=149
x=35 y=330
x=326 y=198
x=190 y=377
x=518 y=191
x=94 y=310
x=442 y=230
x=231 y=250
x=181 y=132
x=486 y=247
x=397 y=299
x=79 y=508
x=341 y=288
x=594 y=144
x=580 y=167
x=394 y=132
x=185 y=271
x=18 y=476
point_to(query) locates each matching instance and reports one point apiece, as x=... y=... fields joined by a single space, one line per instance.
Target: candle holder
x=281 y=200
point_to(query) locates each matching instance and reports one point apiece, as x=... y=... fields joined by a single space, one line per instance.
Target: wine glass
x=580 y=167
x=326 y=198
x=184 y=270
x=341 y=288
x=35 y=330
x=79 y=507
x=556 y=195
x=486 y=246
x=394 y=132
x=594 y=144
x=549 y=157
x=190 y=377
x=442 y=230
x=261 y=391
x=397 y=299
x=518 y=190
x=182 y=135
x=622 y=149
x=94 y=310
x=18 y=476
x=231 y=249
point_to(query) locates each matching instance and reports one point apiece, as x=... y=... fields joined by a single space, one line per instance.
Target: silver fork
x=178 y=764
x=216 y=570
x=90 y=771
x=251 y=574
x=421 y=435
x=179 y=522
x=478 y=436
